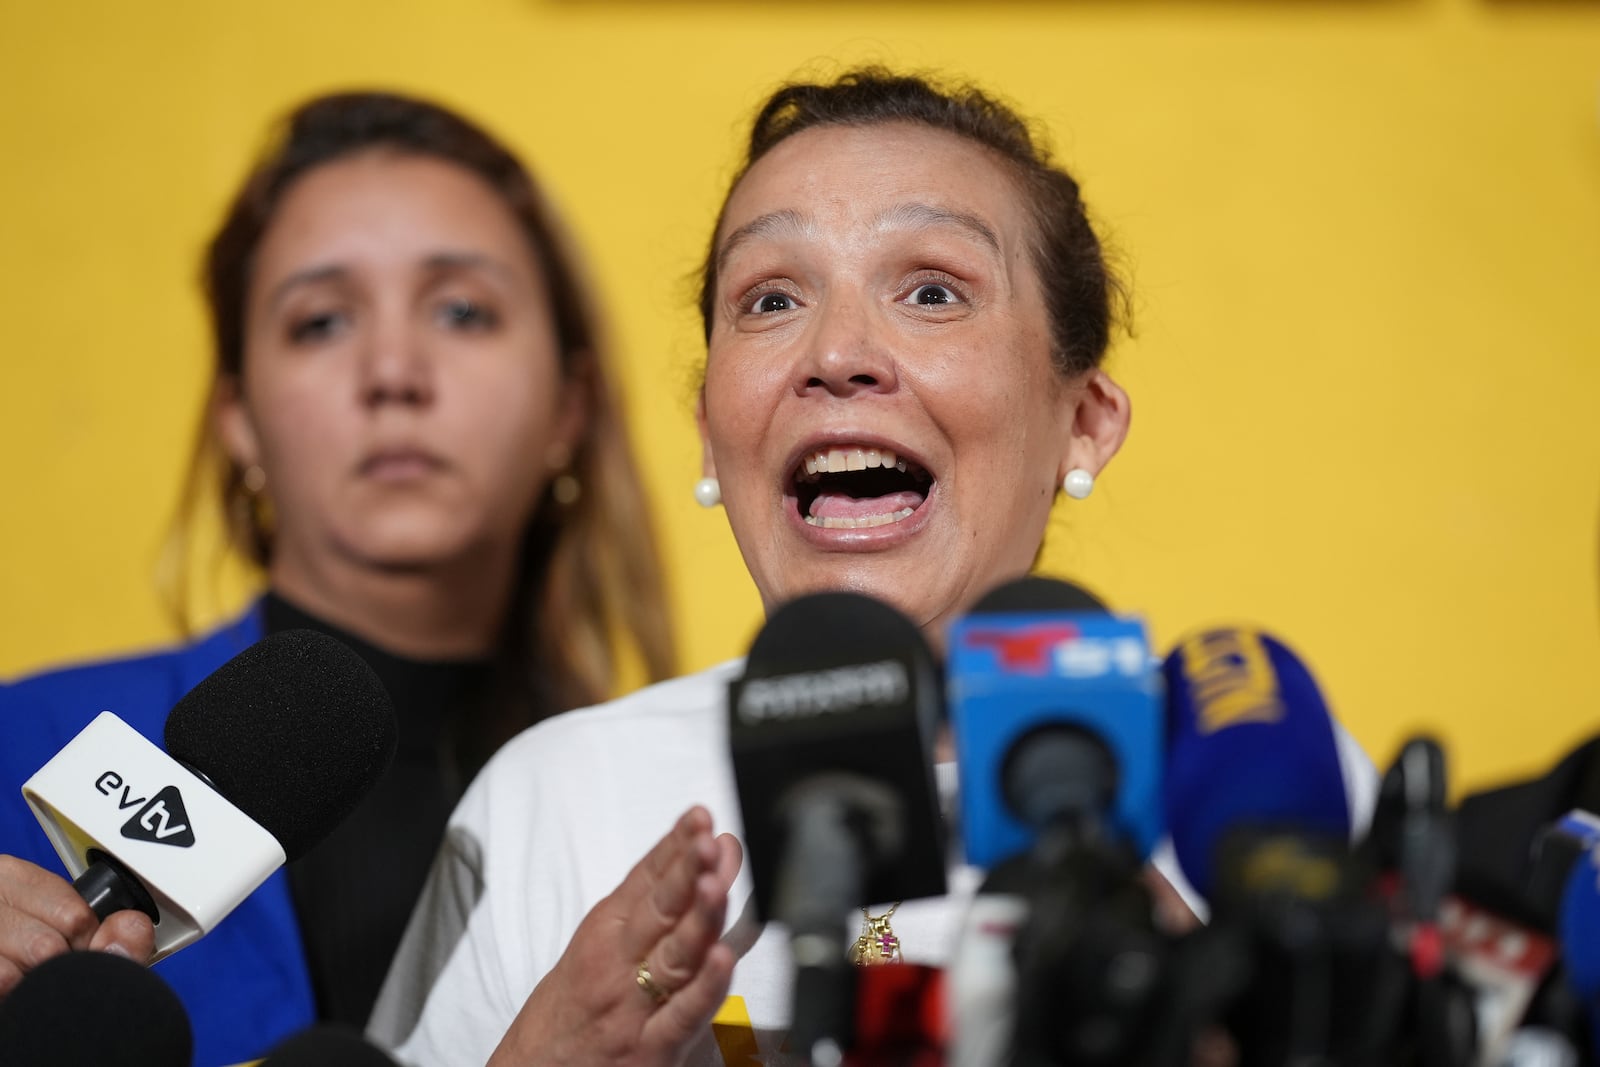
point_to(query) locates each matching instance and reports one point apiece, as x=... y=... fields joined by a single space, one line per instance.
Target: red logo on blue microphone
x=1026 y=649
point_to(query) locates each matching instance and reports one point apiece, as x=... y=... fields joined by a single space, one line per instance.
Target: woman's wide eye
x=933 y=293
x=769 y=302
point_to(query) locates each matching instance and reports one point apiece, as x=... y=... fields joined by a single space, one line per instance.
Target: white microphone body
x=111 y=790
x=982 y=981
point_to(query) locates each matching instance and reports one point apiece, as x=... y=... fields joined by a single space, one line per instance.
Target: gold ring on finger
x=649 y=985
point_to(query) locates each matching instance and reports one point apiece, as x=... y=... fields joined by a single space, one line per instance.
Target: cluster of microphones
x=1330 y=942
x=1079 y=755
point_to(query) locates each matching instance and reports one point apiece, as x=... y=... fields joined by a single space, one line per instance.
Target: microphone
x=1037 y=593
x=831 y=728
x=1580 y=932
x=1056 y=716
x=264 y=757
x=94 y=1008
x=1260 y=823
x=1250 y=744
x=326 y=1045
x=900 y=1017
x=1413 y=842
x=1057 y=724
x=1565 y=886
x=1504 y=921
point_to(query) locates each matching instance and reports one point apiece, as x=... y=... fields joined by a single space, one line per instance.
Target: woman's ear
x=575 y=412
x=708 y=463
x=1099 y=423
x=232 y=423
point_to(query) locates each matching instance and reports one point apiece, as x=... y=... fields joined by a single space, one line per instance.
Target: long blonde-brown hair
x=589 y=580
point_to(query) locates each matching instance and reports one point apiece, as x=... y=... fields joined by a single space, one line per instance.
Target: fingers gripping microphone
x=264 y=757
x=94 y=1008
x=831 y=728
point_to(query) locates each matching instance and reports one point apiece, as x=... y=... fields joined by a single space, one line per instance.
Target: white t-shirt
x=556 y=820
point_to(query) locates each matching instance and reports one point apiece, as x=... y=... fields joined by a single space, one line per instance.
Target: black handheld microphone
x=94 y=1009
x=1034 y=593
x=327 y=1045
x=831 y=728
x=263 y=758
x=1413 y=844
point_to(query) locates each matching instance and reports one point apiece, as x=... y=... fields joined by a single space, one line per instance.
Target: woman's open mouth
x=858 y=487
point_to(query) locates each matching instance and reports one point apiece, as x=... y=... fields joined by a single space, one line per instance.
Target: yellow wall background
x=1364 y=237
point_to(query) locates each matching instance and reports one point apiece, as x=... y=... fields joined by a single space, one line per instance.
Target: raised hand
x=646 y=969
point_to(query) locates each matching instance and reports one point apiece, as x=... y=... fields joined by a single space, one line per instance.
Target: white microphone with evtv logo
x=263 y=758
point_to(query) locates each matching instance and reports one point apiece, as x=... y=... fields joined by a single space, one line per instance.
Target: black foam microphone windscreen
x=1036 y=593
x=327 y=1045
x=839 y=688
x=93 y=1008
x=293 y=731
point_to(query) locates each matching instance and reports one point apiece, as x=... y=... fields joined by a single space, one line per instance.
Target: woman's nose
x=396 y=369
x=847 y=352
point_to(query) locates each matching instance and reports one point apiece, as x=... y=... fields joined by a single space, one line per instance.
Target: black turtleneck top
x=354 y=891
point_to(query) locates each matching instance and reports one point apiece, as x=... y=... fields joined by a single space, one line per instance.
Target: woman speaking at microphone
x=905 y=310
x=414 y=433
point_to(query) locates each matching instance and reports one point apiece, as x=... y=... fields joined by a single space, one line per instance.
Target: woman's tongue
x=841 y=509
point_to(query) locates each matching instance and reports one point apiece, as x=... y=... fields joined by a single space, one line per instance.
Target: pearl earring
x=254 y=479
x=708 y=491
x=1078 y=483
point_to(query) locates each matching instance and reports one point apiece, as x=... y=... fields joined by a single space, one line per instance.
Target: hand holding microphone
x=41 y=917
x=263 y=758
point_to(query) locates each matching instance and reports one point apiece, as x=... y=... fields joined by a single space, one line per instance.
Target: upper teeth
x=837 y=460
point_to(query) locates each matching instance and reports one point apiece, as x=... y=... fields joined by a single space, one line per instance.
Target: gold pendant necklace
x=877 y=943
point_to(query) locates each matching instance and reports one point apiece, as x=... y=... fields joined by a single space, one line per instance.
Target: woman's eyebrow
x=785 y=223
x=448 y=261
x=306 y=276
x=438 y=262
x=911 y=216
x=918 y=216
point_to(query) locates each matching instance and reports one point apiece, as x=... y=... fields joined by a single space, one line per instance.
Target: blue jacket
x=245 y=984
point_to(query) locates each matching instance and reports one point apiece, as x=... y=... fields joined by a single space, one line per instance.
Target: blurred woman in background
x=415 y=434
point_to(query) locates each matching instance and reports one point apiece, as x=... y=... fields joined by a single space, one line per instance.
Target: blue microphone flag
x=1010 y=674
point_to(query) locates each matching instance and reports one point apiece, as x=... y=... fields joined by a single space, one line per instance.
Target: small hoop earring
x=254 y=479
x=566 y=489
x=1078 y=483
x=708 y=492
